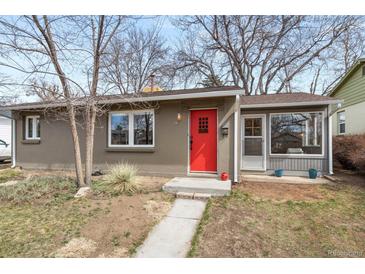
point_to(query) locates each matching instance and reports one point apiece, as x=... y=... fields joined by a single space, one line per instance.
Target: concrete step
x=196 y=186
x=194 y=196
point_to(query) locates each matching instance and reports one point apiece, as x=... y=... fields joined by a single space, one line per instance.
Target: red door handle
x=191 y=142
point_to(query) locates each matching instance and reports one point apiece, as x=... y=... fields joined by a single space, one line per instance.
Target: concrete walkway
x=171 y=238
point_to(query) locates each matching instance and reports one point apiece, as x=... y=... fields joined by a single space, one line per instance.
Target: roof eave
x=292 y=104
x=211 y=94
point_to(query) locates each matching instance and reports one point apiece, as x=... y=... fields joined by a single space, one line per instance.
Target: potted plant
x=313 y=173
x=279 y=172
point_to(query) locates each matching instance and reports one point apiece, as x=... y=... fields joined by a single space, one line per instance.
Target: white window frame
x=263 y=136
x=339 y=122
x=297 y=155
x=130 y=115
x=34 y=127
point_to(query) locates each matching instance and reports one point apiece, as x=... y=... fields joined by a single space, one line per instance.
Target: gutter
x=293 y=104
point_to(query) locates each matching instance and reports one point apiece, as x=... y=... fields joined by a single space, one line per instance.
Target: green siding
x=352 y=91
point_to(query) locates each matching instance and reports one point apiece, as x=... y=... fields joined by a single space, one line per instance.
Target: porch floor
x=284 y=179
x=210 y=186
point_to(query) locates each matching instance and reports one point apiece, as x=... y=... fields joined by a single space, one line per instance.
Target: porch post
x=330 y=156
x=236 y=140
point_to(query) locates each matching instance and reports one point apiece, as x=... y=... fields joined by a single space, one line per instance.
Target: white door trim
x=263 y=119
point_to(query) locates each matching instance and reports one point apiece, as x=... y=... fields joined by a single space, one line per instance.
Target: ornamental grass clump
x=121 y=178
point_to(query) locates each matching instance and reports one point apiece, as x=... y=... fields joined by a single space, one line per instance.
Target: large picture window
x=297 y=133
x=132 y=128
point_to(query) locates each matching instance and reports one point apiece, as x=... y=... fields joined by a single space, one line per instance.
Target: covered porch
x=289 y=132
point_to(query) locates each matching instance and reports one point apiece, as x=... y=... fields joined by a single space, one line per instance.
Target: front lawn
x=280 y=220
x=40 y=218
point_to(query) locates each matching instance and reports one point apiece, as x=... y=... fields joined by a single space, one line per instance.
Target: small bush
x=349 y=151
x=37 y=188
x=121 y=178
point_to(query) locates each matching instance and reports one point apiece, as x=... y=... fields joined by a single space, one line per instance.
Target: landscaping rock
x=83 y=191
x=97 y=173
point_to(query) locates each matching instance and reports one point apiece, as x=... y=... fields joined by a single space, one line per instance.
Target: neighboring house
x=5 y=138
x=189 y=132
x=349 y=118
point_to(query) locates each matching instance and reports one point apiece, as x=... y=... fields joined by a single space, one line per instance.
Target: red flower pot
x=224 y=176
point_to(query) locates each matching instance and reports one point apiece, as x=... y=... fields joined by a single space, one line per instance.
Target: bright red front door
x=203 y=140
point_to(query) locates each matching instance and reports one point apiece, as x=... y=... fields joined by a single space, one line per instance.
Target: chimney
x=151 y=86
x=152 y=81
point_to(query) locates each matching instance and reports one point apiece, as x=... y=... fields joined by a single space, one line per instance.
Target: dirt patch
x=350 y=177
x=152 y=183
x=282 y=192
x=76 y=248
x=123 y=222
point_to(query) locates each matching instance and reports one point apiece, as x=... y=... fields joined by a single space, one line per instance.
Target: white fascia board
x=294 y=104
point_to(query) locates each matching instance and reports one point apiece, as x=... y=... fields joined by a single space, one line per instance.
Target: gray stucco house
x=189 y=132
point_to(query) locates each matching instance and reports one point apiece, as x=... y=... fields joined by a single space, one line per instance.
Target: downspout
x=330 y=156
x=13 y=143
x=235 y=141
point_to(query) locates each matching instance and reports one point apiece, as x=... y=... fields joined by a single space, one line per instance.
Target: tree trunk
x=89 y=142
x=76 y=143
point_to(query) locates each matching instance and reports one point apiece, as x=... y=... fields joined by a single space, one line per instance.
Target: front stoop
x=196 y=186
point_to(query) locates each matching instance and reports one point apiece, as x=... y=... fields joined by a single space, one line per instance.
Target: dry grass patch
x=10 y=174
x=157 y=209
x=264 y=220
x=76 y=248
x=282 y=192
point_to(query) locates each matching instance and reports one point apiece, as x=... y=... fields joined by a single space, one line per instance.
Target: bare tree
x=261 y=53
x=6 y=96
x=134 y=57
x=59 y=52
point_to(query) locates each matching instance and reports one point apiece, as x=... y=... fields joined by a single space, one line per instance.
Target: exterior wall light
x=179 y=117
